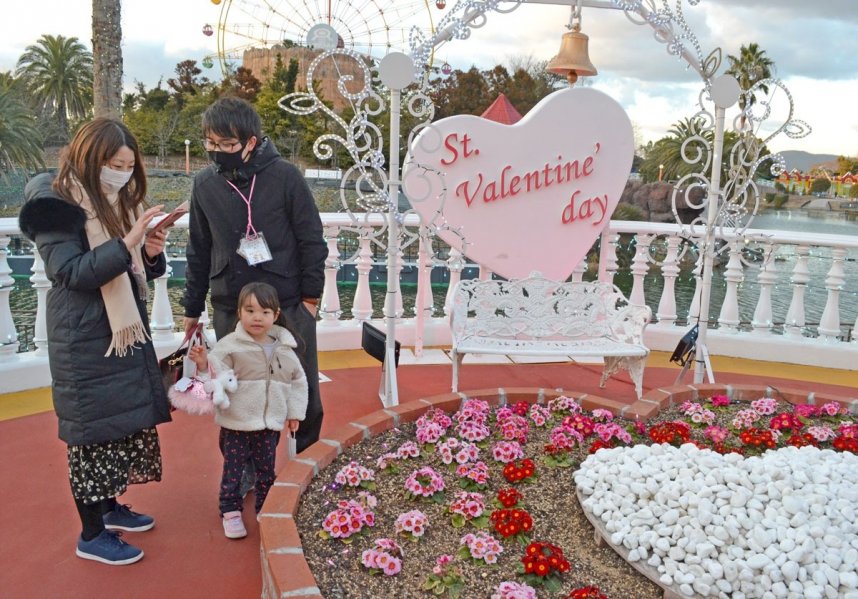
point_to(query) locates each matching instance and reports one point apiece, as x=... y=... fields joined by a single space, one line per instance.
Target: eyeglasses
x=223 y=146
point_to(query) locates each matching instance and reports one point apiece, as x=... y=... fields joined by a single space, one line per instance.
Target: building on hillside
x=262 y=61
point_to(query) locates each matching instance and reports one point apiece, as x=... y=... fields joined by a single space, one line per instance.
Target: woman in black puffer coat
x=89 y=227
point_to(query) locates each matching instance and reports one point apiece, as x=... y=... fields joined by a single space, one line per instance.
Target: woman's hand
x=293 y=425
x=154 y=244
x=190 y=323
x=199 y=356
x=133 y=238
x=312 y=306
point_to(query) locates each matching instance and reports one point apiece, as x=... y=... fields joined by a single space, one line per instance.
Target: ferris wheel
x=369 y=27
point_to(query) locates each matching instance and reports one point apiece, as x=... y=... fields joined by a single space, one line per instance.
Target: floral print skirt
x=103 y=470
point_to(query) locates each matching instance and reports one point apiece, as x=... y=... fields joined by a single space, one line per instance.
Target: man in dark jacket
x=253 y=218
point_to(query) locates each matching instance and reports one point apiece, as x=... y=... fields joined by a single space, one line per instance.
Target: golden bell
x=573 y=59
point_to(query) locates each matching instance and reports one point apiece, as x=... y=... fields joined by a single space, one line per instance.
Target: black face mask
x=227 y=161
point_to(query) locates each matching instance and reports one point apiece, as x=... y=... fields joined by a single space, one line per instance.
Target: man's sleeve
x=308 y=231
x=198 y=254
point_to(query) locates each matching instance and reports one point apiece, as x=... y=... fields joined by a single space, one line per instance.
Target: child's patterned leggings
x=239 y=447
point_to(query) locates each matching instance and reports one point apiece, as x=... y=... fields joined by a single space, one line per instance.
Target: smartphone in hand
x=170 y=219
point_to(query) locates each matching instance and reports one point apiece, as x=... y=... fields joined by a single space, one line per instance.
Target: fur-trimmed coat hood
x=270 y=390
x=45 y=211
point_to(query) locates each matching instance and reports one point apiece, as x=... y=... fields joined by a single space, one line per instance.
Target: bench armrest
x=629 y=323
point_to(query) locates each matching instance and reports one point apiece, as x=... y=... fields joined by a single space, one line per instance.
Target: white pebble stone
x=758 y=561
x=849 y=579
x=778 y=526
x=790 y=571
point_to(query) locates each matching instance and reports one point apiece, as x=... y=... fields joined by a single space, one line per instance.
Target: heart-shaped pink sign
x=530 y=196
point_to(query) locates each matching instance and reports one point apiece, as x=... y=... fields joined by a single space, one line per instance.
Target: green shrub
x=780 y=200
x=769 y=197
x=820 y=186
x=853 y=191
x=627 y=212
x=780 y=187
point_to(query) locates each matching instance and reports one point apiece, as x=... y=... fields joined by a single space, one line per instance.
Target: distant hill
x=804 y=161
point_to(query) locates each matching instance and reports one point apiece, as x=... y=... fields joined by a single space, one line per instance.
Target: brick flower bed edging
x=285 y=572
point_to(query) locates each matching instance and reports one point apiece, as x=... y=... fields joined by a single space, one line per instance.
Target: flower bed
x=440 y=483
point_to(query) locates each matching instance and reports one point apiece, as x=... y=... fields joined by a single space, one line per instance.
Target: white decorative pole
x=725 y=92
x=396 y=72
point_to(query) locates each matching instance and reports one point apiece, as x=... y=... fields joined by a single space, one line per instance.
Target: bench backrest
x=541 y=309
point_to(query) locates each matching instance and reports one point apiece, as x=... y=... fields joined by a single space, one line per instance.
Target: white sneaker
x=233 y=526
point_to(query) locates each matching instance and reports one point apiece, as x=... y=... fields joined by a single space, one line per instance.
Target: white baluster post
x=728 y=319
x=762 y=321
x=161 y=319
x=829 y=324
x=393 y=297
x=666 y=313
x=640 y=267
x=41 y=284
x=580 y=269
x=8 y=334
x=330 y=305
x=608 y=255
x=794 y=322
x=423 y=303
x=694 y=307
x=455 y=264
x=362 y=306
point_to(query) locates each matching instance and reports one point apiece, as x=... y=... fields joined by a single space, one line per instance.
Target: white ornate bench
x=540 y=317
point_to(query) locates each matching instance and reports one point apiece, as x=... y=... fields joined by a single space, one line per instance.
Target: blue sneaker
x=109 y=549
x=122 y=518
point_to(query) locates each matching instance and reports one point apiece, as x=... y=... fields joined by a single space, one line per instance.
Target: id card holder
x=254 y=249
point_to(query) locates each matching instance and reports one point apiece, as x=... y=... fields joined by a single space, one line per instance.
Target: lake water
x=23 y=298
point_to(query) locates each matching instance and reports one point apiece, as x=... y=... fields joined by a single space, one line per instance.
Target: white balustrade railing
x=757 y=327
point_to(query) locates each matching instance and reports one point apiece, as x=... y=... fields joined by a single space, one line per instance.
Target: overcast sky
x=813 y=44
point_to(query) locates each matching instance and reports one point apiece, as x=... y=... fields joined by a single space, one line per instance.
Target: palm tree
x=752 y=65
x=107 y=53
x=58 y=73
x=20 y=139
x=667 y=151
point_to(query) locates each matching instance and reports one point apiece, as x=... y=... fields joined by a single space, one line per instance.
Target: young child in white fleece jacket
x=271 y=395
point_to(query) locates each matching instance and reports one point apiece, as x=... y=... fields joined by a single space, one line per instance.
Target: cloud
x=147 y=62
x=812 y=43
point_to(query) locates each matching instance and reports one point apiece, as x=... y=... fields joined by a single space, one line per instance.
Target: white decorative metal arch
x=728 y=206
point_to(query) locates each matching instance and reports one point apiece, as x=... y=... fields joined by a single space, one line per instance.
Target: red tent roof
x=502 y=111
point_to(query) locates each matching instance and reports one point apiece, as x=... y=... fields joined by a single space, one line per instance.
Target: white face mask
x=114 y=180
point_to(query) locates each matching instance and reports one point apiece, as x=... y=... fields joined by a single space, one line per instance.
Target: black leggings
x=91 y=516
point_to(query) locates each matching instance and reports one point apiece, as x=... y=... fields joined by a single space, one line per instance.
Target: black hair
x=232 y=117
x=266 y=297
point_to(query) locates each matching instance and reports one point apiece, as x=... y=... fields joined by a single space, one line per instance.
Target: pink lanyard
x=247 y=200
